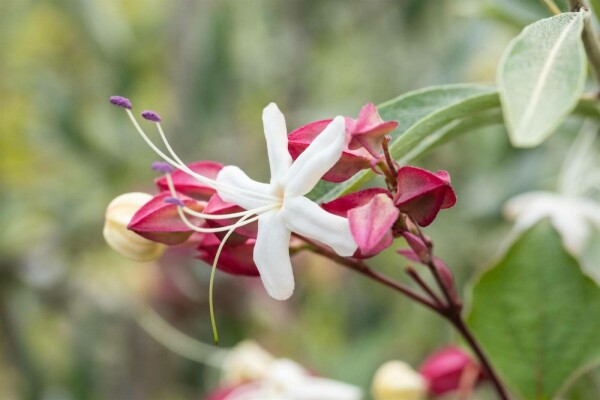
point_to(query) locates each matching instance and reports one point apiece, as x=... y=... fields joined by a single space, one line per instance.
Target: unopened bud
x=447 y=279
x=417 y=245
x=396 y=380
x=125 y=242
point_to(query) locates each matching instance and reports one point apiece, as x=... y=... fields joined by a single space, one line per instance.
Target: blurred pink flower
x=448 y=370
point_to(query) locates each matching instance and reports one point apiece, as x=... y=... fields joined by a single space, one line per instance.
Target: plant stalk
x=589 y=37
x=451 y=311
x=460 y=325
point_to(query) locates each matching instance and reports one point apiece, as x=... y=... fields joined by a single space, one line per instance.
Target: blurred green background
x=70 y=307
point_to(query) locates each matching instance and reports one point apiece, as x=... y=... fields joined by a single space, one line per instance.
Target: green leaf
x=430 y=117
x=541 y=77
x=537 y=315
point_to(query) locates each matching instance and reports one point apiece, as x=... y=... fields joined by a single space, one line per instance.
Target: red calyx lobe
x=422 y=194
x=160 y=222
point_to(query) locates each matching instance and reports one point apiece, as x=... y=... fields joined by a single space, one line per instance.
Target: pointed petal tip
x=339 y=120
x=270 y=109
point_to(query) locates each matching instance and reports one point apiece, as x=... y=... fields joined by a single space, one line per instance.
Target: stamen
x=195 y=228
x=256 y=211
x=149 y=142
x=241 y=222
x=174 y=200
x=189 y=224
x=151 y=116
x=160 y=166
x=203 y=178
x=120 y=102
x=181 y=165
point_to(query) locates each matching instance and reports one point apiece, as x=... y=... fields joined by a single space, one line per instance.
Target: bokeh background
x=77 y=321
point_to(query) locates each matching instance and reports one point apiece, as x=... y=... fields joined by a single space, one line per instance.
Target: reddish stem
x=451 y=312
x=364 y=269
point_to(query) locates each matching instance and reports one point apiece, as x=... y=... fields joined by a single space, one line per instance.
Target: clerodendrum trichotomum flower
x=280 y=206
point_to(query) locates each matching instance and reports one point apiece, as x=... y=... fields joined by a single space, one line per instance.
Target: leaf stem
x=589 y=37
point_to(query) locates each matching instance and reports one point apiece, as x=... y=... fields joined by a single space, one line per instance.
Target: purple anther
x=151 y=116
x=160 y=166
x=120 y=102
x=173 y=200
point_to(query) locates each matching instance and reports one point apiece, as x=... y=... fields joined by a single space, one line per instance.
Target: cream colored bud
x=396 y=380
x=119 y=213
x=246 y=362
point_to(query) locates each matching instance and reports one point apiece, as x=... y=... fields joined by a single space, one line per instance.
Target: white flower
x=280 y=206
x=573 y=209
x=292 y=211
x=287 y=380
x=396 y=380
x=573 y=217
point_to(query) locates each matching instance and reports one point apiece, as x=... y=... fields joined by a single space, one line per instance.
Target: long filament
x=177 y=163
x=195 y=213
x=196 y=175
x=212 y=276
x=189 y=224
x=195 y=228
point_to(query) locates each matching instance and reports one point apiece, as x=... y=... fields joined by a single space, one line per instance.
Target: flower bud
x=417 y=245
x=448 y=279
x=369 y=130
x=119 y=213
x=448 y=369
x=422 y=194
x=396 y=380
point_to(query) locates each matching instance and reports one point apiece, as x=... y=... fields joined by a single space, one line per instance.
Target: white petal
x=277 y=143
x=306 y=218
x=316 y=160
x=237 y=188
x=272 y=256
x=316 y=388
x=527 y=203
x=592 y=211
x=573 y=229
